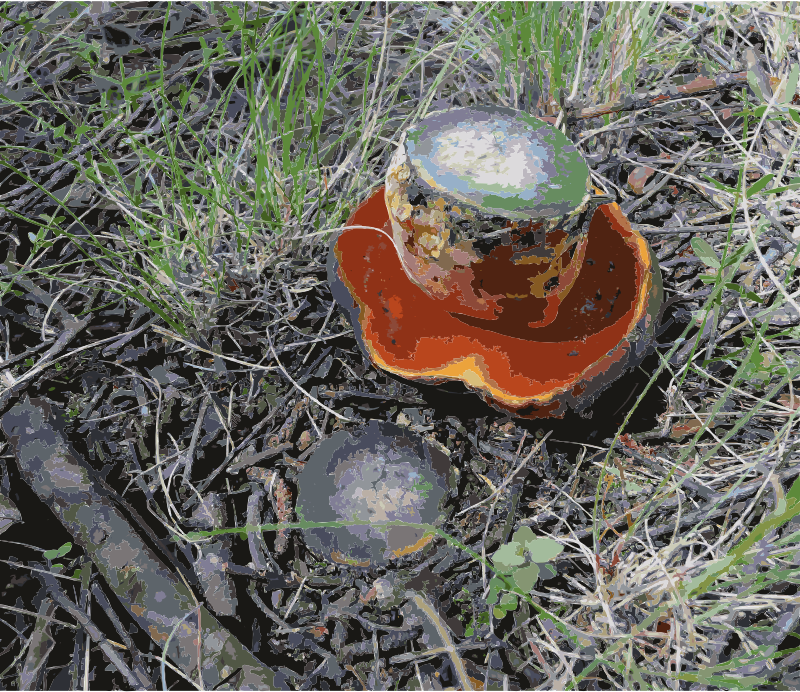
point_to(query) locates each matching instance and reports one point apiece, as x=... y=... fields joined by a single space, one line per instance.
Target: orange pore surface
x=409 y=333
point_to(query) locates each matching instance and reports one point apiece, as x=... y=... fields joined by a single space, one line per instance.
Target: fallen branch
x=149 y=589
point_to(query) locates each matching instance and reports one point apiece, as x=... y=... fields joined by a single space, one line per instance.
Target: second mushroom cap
x=376 y=474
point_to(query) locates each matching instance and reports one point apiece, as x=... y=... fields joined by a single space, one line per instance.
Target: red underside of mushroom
x=603 y=325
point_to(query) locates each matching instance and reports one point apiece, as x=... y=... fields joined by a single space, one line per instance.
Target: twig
x=641 y=200
x=633 y=121
x=188 y=455
x=267 y=454
x=345 y=393
x=13 y=360
x=420 y=656
x=71 y=329
x=44 y=296
x=685 y=480
x=511 y=477
x=55 y=171
x=655 y=230
x=698 y=85
x=707 y=512
x=128 y=336
x=651 y=160
x=769 y=258
x=272 y=581
x=94 y=632
x=246 y=441
x=424 y=605
x=296 y=385
x=255 y=539
x=138 y=667
x=41 y=643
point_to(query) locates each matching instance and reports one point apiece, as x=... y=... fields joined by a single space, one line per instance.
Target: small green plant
x=761 y=366
x=464 y=601
x=519 y=564
x=73 y=563
x=55 y=554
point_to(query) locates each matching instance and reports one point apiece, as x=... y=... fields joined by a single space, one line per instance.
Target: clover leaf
x=521 y=561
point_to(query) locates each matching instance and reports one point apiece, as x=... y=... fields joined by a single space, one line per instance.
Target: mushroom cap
x=377 y=473
x=500 y=161
x=603 y=326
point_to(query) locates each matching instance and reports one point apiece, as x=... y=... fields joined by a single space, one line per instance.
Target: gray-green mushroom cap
x=376 y=474
x=500 y=161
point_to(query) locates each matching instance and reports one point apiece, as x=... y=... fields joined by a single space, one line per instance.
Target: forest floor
x=172 y=174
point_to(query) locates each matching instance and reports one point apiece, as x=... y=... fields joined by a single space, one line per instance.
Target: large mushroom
x=490 y=206
x=478 y=311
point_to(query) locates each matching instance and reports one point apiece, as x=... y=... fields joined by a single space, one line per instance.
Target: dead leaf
x=690 y=427
x=369 y=595
x=790 y=402
x=508 y=428
x=639 y=177
x=305 y=440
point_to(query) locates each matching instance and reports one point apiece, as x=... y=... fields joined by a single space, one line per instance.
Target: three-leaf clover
x=521 y=561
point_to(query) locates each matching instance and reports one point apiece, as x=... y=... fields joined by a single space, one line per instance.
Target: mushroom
x=376 y=474
x=490 y=206
x=534 y=355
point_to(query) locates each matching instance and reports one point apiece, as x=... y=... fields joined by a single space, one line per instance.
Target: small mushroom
x=533 y=356
x=376 y=474
x=373 y=475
